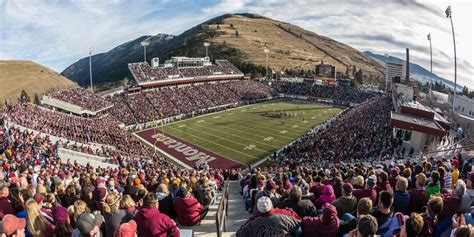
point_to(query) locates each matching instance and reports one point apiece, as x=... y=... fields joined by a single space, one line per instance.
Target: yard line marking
x=200 y=121
x=217 y=144
x=244 y=138
x=212 y=135
x=182 y=125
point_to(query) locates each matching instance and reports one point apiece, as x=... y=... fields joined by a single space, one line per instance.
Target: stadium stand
x=346 y=176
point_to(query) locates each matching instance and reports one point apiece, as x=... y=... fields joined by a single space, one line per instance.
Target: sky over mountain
x=58 y=33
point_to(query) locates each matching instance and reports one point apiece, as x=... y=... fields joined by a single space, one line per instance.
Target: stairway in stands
x=235 y=218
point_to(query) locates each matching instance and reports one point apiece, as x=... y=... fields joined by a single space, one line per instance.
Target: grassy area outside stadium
x=250 y=133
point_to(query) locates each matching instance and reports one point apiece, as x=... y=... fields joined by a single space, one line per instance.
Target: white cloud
x=58 y=33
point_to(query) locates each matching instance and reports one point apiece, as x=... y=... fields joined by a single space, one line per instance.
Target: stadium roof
x=415 y=123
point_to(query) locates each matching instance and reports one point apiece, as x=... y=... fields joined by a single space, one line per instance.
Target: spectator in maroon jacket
x=382 y=183
x=418 y=194
x=325 y=225
x=451 y=205
x=368 y=191
x=5 y=204
x=188 y=209
x=151 y=222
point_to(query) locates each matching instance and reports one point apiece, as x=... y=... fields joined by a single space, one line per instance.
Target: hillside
x=240 y=38
x=16 y=76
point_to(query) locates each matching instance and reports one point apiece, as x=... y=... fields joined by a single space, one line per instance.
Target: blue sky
x=58 y=33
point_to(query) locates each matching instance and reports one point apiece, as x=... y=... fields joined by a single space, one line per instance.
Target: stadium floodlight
x=449 y=15
x=90 y=67
x=206 y=44
x=266 y=52
x=144 y=44
x=431 y=66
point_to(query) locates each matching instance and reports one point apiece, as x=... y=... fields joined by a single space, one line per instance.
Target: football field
x=247 y=134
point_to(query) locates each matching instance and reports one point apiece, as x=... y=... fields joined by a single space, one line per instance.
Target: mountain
x=416 y=71
x=240 y=38
x=34 y=78
x=112 y=66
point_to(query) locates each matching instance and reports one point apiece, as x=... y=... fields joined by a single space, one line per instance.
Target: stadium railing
x=222 y=209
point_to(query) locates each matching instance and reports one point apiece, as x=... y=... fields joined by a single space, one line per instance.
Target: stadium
x=193 y=146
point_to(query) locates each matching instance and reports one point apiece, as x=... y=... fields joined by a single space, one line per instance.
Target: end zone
x=183 y=152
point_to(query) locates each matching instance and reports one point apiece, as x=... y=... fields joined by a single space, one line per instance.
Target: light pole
x=144 y=44
x=206 y=44
x=449 y=15
x=431 y=65
x=90 y=67
x=266 y=52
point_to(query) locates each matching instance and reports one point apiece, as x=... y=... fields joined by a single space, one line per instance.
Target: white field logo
x=190 y=153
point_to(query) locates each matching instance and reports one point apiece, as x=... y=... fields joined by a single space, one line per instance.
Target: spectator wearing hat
x=272 y=221
x=382 y=183
x=98 y=199
x=88 y=225
x=269 y=190
x=364 y=207
x=166 y=201
x=13 y=226
x=347 y=203
x=46 y=212
x=151 y=222
x=327 y=196
x=384 y=208
x=327 y=224
x=394 y=175
x=61 y=219
x=128 y=229
x=401 y=198
x=188 y=209
x=113 y=216
x=5 y=204
x=317 y=187
x=433 y=186
x=417 y=194
x=367 y=226
x=369 y=190
x=302 y=207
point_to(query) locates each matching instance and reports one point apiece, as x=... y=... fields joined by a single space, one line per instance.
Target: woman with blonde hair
x=113 y=216
x=166 y=205
x=79 y=208
x=129 y=206
x=36 y=224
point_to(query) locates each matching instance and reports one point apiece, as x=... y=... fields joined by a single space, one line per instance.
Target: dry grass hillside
x=290 y=46
x=16 y=76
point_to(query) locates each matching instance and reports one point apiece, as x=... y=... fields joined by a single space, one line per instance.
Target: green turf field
x=246 y=134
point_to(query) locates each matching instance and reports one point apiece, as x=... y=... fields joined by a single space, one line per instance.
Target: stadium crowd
x=40 y=195
x=342 y=178
x=82 y=98
x=426 y=197
x=362 y=133
x=154 y=104
x=143 y=72
x=338 y=93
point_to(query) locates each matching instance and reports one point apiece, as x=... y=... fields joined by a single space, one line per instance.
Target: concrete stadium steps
x=235 y=218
